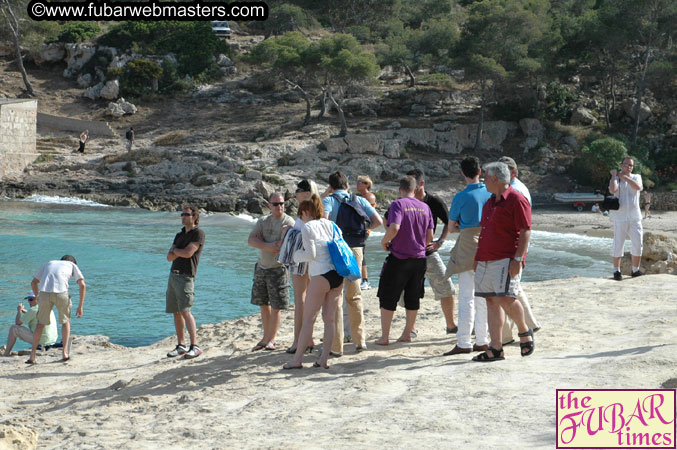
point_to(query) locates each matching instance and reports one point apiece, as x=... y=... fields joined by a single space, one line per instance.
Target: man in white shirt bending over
x=51 y=286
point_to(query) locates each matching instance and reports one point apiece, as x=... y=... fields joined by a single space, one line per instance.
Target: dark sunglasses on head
x=186 y=214
x=277 y=203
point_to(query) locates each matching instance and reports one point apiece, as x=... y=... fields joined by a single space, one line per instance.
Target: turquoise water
x=122 y=254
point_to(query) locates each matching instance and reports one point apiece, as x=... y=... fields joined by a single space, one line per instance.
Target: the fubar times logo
x=616 y=418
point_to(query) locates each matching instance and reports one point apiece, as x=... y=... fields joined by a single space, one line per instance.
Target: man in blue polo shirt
x=464 y=217
x=335 y=194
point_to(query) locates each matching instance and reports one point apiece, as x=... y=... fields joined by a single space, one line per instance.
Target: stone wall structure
x=18 y=121
x=76 y=126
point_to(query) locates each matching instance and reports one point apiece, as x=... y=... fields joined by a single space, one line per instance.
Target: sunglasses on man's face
x=277 y=203
x=186 y=214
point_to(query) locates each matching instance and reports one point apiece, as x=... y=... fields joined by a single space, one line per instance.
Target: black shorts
x=333 y=278
x=400 y=275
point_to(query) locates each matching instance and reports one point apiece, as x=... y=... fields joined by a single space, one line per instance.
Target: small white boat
x=578 y=199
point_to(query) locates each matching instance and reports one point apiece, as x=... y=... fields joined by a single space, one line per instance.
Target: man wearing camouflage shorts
x=270 y=289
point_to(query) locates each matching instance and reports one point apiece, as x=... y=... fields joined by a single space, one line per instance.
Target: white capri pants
x=623 y=230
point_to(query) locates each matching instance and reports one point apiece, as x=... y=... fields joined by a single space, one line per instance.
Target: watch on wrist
x=518 y=258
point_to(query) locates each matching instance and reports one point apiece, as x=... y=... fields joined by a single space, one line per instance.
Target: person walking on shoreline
x=648 y=196
x=521 y=296
x=184 y=254
x=628 y=218
x=409 y=233
x=270 y=288
x=502 y=246
x=51 y=284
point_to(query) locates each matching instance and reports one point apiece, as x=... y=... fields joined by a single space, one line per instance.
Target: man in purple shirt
x=409 y=232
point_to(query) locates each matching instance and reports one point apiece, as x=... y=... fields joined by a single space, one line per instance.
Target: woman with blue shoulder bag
x=325 y=284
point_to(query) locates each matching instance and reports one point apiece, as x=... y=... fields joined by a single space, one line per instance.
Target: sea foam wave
x=35 y=198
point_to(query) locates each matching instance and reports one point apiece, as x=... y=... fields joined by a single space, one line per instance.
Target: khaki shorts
x=435 y=273
x=492 y=279
x=48 y=300
x=180 y=293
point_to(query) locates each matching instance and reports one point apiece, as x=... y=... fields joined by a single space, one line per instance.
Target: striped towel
x=292 y=242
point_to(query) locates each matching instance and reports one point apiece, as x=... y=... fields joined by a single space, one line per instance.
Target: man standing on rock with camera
x=628 y=218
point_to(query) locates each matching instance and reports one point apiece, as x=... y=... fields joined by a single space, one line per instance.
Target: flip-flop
x=64 y=359
x=259 y=346
x=317 y=364
x=269 y=347
x=288 y=367
x=30 y=361
x=291 y=350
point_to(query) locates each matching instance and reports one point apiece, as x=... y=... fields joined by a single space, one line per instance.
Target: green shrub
x=442 y=80
x=282 y=19
x=559 y=102
x=137 y=77
x=596 y=160
x=78 y=31
x=194 y=43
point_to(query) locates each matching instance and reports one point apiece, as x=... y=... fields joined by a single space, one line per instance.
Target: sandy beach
x=597 y=333
x=404 y=395
x=595 y=224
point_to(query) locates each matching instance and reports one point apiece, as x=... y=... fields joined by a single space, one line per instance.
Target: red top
x=502 y=219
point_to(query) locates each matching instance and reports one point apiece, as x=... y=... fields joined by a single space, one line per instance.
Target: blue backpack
x=352 y=220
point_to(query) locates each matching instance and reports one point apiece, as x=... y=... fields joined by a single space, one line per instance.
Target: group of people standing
x=493 y=221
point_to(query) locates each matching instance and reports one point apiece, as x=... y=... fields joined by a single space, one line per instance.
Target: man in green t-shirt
x=30 y=318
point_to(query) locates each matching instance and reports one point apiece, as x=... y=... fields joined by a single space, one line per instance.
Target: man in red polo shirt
x=502 y=246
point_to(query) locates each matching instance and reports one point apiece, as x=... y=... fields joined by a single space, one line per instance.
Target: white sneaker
x=194 y=352
x=365 y=285
x=178 y=351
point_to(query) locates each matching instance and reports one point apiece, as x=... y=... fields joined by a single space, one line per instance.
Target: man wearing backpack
x=354 y=216
x=130 y=138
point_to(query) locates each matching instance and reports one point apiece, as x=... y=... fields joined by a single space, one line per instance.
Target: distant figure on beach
x=521 y=296
x=25 y=323
x=325 y=286
x=270 y=288
x=502 y=246
x=409 y=232
x=84 y=137
x=299 y=271
x=184 y=254
x=130 y=138
x=648 y=196
x=355 y=217
x=596 y=208
x=435 y=269
x=464 y=216
x=364 y=185
x=628 y=218
x=51 y=284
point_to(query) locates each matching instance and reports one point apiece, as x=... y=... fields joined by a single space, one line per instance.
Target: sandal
x=317 y=364
x=484 y=357
x=288 y=366
x=529 y=345
x=259 y=346
x=270 y=346
x=291 y=350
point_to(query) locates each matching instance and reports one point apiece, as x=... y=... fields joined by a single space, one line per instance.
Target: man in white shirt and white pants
x=628 y=218
x=50 y=285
